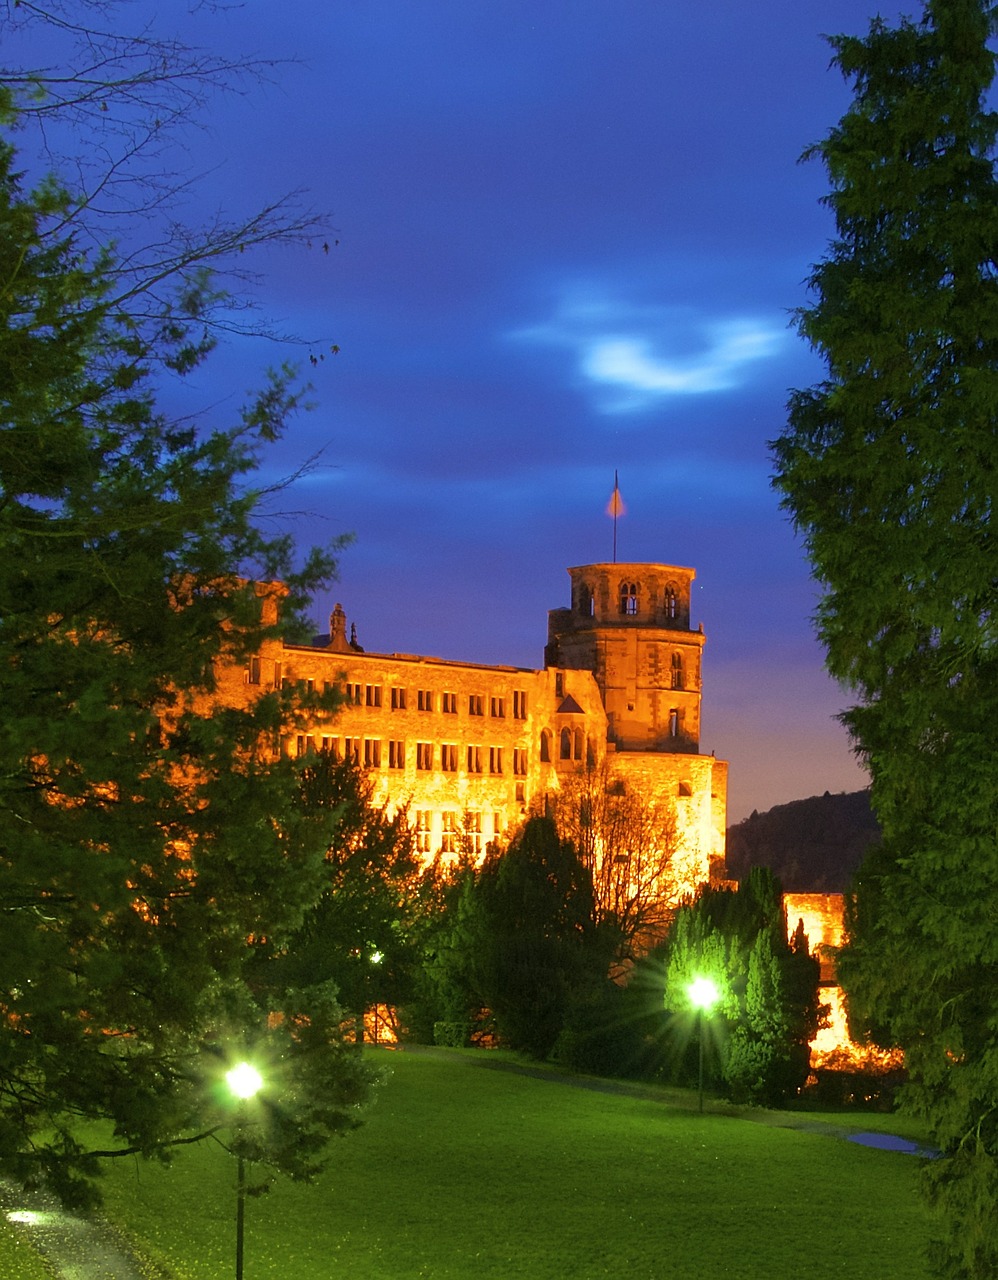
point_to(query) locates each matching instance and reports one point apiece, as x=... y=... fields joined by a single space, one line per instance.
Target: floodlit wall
x=470 y=749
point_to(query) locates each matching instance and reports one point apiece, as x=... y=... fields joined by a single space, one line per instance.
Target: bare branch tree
x=630 y=846
x=107 y=114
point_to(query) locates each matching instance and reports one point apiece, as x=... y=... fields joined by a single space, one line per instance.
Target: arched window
x=671 y=602
x=546 y=745
x=674 y=723
x=577 y=745
x=678 y=678
x=628 y=599
x=566 y=744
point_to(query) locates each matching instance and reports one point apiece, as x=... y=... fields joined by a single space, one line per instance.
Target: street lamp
x=703 y=996
x=244 y=1082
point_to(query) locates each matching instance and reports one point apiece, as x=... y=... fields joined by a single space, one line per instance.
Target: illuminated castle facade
x=471 y=749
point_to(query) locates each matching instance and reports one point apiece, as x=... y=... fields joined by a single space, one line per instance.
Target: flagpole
x=616 y=504
x=615 y=508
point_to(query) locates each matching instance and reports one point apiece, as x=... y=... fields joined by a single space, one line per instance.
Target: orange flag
x=615 y=507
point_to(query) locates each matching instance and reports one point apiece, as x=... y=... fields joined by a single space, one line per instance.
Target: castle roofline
x=363 y=655
x=633 y=564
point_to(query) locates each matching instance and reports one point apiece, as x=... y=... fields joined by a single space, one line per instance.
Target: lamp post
x=244 y=1082
x=703 y=996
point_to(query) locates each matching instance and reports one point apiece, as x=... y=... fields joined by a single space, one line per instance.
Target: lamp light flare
x=703 y=993
x=244 y=1080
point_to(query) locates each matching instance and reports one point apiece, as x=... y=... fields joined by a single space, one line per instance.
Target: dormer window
x=628 y=599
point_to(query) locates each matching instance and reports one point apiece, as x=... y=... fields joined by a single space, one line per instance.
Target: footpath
x=73 y=1246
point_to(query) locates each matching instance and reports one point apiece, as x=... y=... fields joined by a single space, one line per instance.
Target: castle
x=471 y=749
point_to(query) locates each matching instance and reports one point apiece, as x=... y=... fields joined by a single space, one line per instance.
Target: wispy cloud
x=635 y=355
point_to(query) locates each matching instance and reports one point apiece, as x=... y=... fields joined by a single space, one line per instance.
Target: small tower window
x=628 y=599
x=674 y=723
x=678 y=678
x=671 y=603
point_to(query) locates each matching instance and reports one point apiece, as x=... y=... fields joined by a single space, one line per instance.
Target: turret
x=629 y=624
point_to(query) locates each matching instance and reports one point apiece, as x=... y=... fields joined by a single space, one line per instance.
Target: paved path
x=73 y=1246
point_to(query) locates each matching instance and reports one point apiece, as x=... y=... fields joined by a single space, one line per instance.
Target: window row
x=374 y=753
x=371 y=695
x=628 y=597
x=450 y=832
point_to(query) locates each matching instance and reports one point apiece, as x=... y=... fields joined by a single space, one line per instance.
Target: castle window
x=424 y=755
x=473 y=830
x=475 y=705
x=398 y=699
x=671 y=603
x=678 y=678
x=310 y=686
x=396 y=754
x=629 y=598
x=577 y=744
x=372 y=695
x=685 y=789
x=330 y=745
x=497 y=708
x=448 y=839
x=495 y=759
x=587 y=604
x=278 y=682
x=253 y=671
x=519 y=761
x=351 y=749
x=424 y=821
x=448 y=757
x=566 y=744
x=546 y=746
x=424 y=700
x=519 y=704
x=674 y=723
x=372 y=753
x=449 y=703
x=474 y=759
x=353 y=694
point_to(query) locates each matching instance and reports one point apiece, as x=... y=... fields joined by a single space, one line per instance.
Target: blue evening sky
x=567 y=238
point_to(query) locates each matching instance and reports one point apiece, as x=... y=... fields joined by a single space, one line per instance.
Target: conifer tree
x=151 y=835
x=888 y=469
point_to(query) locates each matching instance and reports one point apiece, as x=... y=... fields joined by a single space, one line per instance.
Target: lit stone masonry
x=472 y=749
x=822 y=916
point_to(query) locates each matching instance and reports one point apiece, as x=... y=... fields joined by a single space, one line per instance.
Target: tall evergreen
x=888 y=468
x=151 y=836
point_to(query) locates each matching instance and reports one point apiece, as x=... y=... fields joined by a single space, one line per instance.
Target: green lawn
x=462 y=1172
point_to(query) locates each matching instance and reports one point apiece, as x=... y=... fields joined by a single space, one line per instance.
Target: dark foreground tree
x=536 y=946
x=361 y=935
x=889 y=468
x=150 y=834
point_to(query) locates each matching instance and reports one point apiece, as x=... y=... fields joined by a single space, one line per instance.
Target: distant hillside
x=814 y=845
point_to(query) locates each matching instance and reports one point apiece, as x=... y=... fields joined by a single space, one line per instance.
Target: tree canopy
x=888 y=469
x=151 y=835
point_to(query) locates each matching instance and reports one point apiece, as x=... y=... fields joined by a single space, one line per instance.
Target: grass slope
x=462 y=1172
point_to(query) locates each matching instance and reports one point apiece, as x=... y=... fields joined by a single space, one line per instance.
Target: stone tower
x=629 y=625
